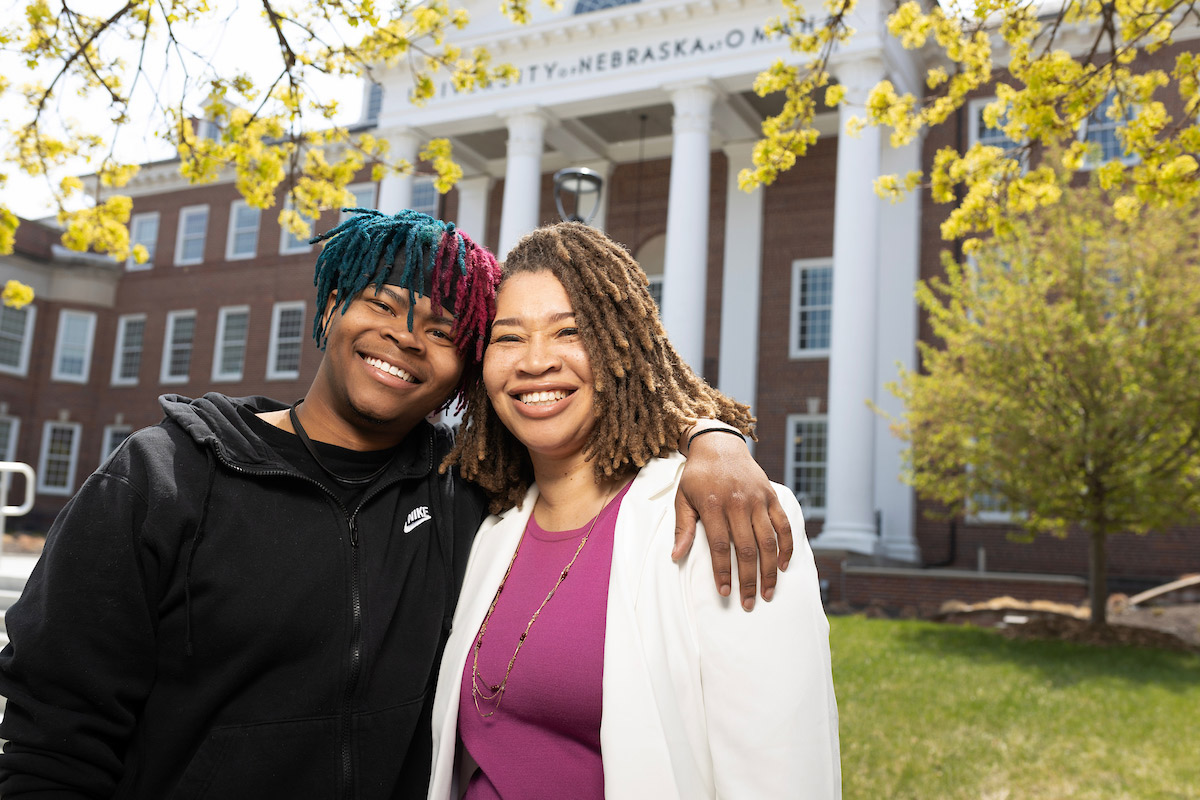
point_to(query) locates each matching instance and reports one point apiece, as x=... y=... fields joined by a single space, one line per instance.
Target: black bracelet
x=710 y=430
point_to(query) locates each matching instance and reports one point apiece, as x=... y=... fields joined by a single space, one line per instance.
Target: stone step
x=8 y=597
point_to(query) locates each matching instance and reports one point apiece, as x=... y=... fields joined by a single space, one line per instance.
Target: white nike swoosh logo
x=409 y=526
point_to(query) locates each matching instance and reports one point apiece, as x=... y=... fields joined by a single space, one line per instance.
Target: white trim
x=285 y=235
x=72 y=458
x=173 y=317
x=14 y=430
x=119 y=349
x=219 y=343
x=233 y=230
x=358 y=189
x=22 y=367
x=56 y=372
x=184 y=213
x=135 y=239
x=105 y=449
x=801 y=264
x=273 y=373
x=789 y=460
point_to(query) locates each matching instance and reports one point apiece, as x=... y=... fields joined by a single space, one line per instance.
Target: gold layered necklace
x=494 y=693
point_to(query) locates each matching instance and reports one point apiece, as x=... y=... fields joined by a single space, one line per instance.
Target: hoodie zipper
x=355 y=670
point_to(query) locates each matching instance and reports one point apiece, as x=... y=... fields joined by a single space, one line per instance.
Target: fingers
x=736 y=517
x=685 y=528
x=717 y=533
x=783 y=530
x=768 y=551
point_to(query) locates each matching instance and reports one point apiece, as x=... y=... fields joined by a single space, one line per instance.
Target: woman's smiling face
x=536 y=369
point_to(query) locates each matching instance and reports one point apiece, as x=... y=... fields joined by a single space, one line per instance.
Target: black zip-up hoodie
x=206 y=621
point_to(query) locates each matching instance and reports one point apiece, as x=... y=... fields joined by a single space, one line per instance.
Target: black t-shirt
x=349 y=463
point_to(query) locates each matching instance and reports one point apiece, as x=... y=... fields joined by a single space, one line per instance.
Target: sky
x=236 y=38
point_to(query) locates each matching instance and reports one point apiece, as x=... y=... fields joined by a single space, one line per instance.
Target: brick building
x=797 y=299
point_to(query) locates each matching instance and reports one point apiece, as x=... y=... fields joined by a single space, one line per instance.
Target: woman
x=583 y=663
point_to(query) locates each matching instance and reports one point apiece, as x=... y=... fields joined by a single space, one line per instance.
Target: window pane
x=233 y=346
x=425 y=198
x=815 y=302
x=289 y=340
x=145 y=233
x=72 y=350
x=12 y=335
x=808 y=459
x=181 y=346
x=57 y=466
x=6 y=442
x=133 y=332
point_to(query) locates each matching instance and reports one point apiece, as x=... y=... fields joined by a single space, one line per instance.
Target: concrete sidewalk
x=17 y=565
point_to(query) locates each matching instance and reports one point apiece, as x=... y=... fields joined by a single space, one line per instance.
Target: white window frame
x=219 y=344
x=72 y=458
x=106 y=449
x=135 y=222
x=358 y=189
x=1090 y=161
x=231 y=234
x=794 y=350
x=184 y=213
x=290 y=250
x=173 y=318
x=22 y=367
x=274 y=374
x=13 y=431
x=789 y=460
x=119 y=349
x=56 y=373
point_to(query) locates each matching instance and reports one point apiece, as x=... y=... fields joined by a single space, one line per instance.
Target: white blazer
x=700 y=699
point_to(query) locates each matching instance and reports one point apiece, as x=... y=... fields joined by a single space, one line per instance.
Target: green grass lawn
x=939 y=711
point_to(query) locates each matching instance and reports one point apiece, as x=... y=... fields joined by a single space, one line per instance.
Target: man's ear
x=330 y=306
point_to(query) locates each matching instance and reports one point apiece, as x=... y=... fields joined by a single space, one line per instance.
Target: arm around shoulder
x=767 y=683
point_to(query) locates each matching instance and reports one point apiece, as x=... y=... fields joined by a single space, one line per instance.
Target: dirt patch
x=1170 y=627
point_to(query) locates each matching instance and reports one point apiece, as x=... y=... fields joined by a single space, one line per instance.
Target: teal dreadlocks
x=439 y=262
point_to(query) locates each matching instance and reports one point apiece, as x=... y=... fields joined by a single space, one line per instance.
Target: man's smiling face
x=379 y=375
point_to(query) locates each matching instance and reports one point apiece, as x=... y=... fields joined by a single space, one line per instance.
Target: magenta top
x=544 y=739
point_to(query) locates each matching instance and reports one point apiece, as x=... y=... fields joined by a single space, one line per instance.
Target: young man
x=250 y=600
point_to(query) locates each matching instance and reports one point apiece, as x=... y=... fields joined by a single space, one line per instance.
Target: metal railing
x=7 y=469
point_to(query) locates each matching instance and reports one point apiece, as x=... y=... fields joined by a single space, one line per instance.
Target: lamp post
x=582 y=187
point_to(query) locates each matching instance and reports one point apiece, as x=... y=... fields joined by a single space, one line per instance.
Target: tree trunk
x=1098 y=576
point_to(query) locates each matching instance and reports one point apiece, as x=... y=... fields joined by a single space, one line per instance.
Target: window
x=374 y=101
x=177 y=347
x=425 y=197
x=189 y=244
x=229 y=357
x=143 y=230
x=805 y=461
x=656 y=289
x=16 y=333
x=812 y=302
x=9 y=427
x=364 y=197
x=287 y=341
x=60 y=452
x=127 y=356
x=73 y=346
x=1100 y=132
x=113 y=436
x=290 y=244
x=242 y=241
x=585 y=6
x=979 y=131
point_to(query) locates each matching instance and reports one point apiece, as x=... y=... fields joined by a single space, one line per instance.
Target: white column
x=850 y=473
x=396 y=191
x=522 y=177
x=899 y=226
x=741 y=280
x=472 y=205
x=685 y=271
